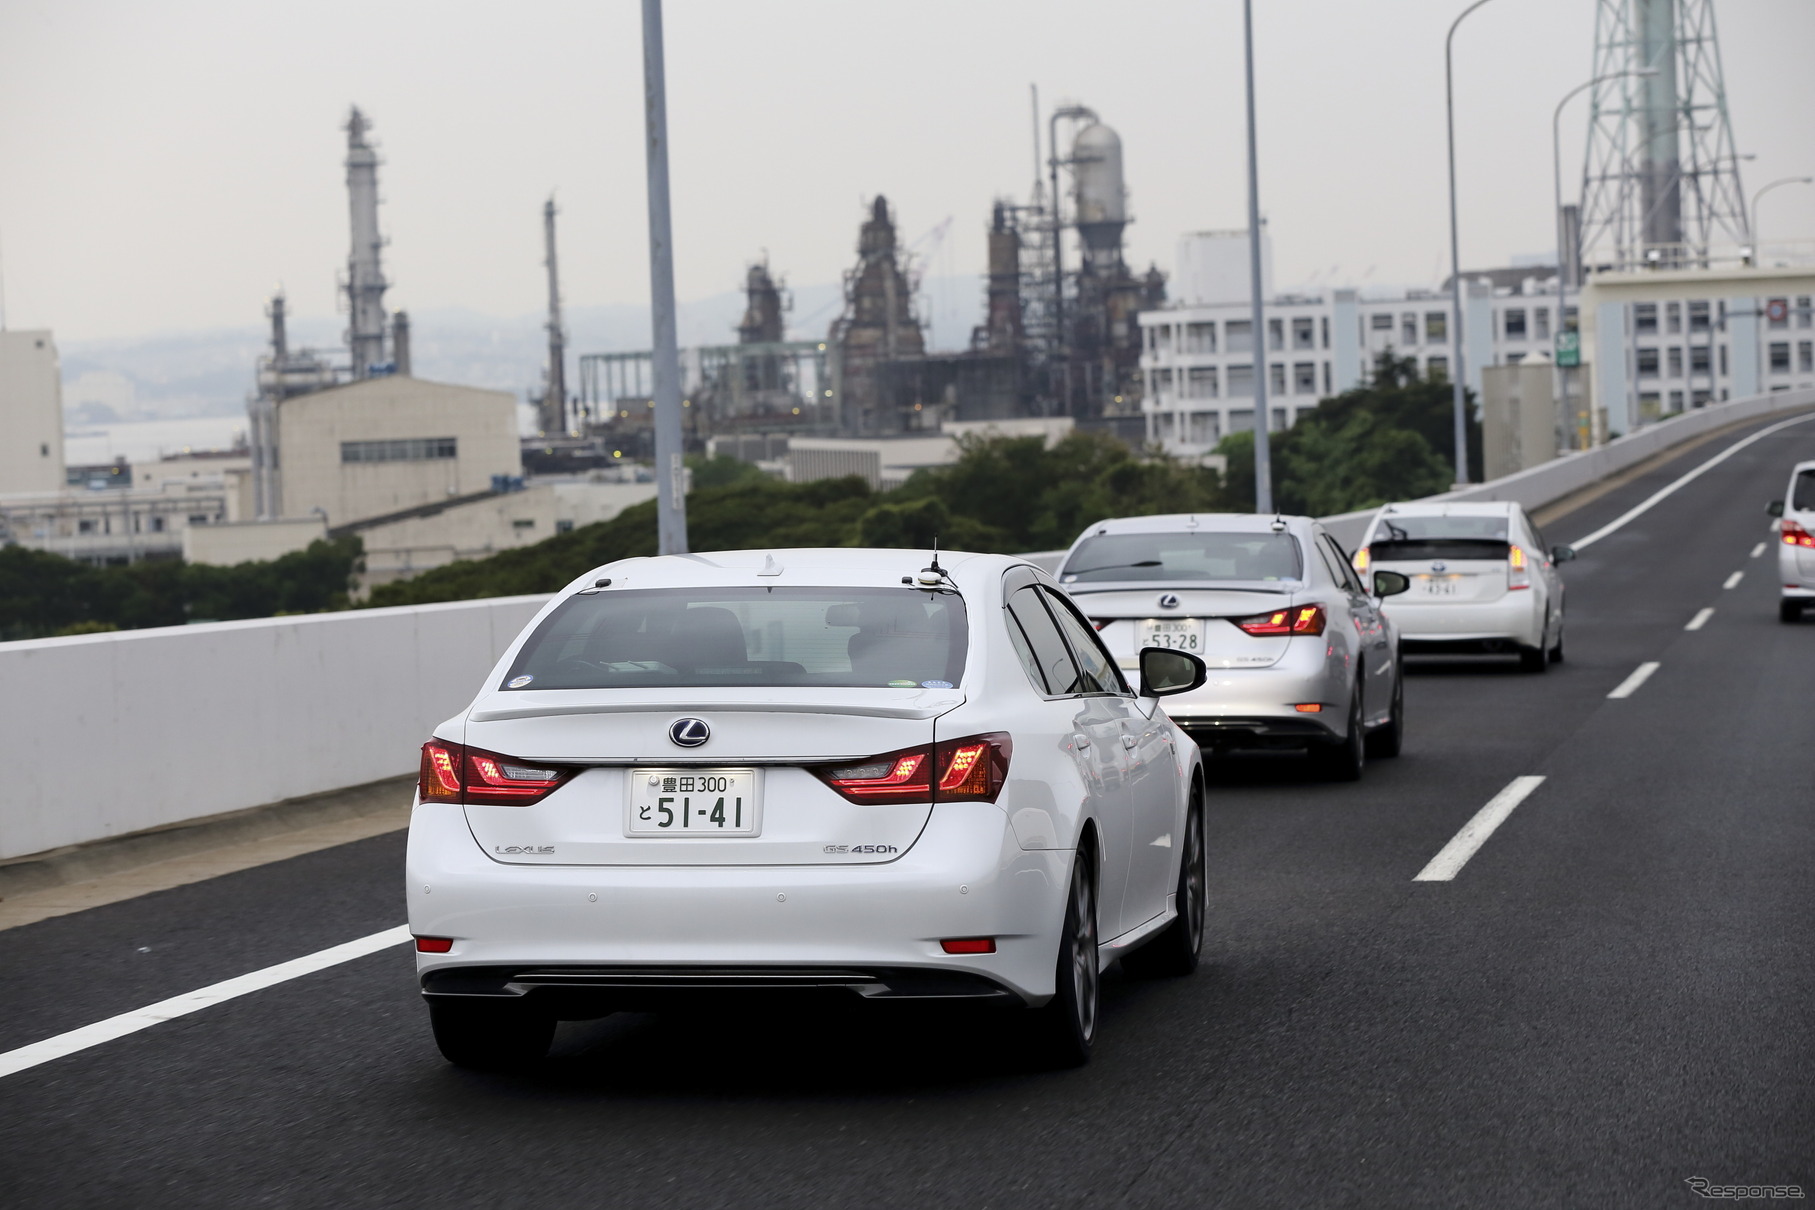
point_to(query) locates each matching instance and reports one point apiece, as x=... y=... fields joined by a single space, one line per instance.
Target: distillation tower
x=365 y=283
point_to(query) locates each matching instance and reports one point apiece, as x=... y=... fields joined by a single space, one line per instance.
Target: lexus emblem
x=1168 y=600
x=689 y=732
x=1439 y=565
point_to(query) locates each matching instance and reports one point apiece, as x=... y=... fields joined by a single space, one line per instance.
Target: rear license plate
x=1439 y=586
x=1175 y=634
x=693 y=802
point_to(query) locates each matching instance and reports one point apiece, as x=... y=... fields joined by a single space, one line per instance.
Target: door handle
x=1081 y=740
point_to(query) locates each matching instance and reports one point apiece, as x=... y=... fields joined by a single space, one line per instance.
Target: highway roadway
x=1614 y=993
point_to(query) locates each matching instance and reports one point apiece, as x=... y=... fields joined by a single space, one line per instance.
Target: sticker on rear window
x=935 y=684
x=517 y=682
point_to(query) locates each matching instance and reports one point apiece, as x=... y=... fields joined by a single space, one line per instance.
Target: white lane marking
x=1700 y=619
x=1663 y=492
x=1734 y=579
x=1454 y=855
x=1639 y=676
x=14 y=1061
x=1758 y=550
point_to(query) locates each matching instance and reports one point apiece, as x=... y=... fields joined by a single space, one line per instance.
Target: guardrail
x=108 y=734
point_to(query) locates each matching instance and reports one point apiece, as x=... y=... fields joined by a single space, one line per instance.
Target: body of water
x=141 y=441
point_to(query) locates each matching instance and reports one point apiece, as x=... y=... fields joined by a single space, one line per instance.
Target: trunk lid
x=757 y=744
x=1124 y=615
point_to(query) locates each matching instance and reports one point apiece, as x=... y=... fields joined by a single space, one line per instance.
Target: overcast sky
x=164 y=164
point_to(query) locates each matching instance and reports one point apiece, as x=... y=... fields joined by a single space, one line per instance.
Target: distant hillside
x=209 y=372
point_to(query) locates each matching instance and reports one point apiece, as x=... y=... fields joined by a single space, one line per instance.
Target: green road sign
x=1569 y=347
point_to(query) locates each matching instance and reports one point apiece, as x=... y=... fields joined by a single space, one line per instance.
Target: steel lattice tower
x=1660 y=181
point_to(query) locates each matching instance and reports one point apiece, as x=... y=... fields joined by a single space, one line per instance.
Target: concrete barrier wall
x=102 y=735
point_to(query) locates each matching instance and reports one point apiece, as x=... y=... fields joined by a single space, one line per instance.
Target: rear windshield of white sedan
x=1435 y=536
x=902 y=638
x=1246 y=557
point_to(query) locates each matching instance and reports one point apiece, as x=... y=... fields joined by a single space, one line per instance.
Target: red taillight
x=1794 y=534
x=1300 y=619
x=970 y=770
x=1099 y=623
x=434 y=945
x=459 y=774
x=1518 y=575
x=969 y=945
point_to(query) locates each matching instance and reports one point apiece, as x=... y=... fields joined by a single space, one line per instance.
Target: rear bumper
x=1257 y=707
x=1222 y=734
x=625 y=931
x=1796 y=571
x=1517 y=618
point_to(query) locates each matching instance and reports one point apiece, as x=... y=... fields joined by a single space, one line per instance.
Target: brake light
x=1518 y=575
x=458 y=774
x=1361 y=560
x=1300 y=619
x=971 y=769
x=1795 y=535
x=1099 y=623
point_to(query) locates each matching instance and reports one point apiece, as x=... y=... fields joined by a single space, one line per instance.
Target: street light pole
x=670 y=470
x=1556 y=167
x=1459 y=388
x=1757 y=243
x=1263 y=459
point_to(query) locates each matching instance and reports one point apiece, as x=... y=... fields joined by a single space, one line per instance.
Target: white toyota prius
x=810 y=772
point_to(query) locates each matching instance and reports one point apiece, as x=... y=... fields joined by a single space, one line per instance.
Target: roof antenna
x=931 y=577
x=1279 y=523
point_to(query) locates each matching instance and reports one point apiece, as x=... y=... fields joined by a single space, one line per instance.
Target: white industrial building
x=31 y=413
x=1198 y=359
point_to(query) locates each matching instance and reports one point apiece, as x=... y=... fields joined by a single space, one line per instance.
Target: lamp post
x=670 y=472
x=1263 y=458
x=1458 y=387
x=1788 y=180
x=1556 y=166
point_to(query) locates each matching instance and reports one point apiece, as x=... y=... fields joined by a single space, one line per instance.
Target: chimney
x=400 y=342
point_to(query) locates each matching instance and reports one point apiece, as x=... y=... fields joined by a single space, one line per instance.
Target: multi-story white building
x=1198 y=353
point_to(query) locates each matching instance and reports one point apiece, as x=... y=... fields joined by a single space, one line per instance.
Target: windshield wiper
x=1116 y=567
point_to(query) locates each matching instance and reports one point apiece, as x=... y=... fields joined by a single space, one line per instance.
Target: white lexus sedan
x=1796 y=545
x=810 y=772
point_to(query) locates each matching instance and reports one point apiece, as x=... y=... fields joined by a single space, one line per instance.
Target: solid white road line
x=1639 y=676
x=1663 y=492
x=1700 y=619
x=1734 y=579
x=1454 y=855
x=24 y=1057
x=1758 y=550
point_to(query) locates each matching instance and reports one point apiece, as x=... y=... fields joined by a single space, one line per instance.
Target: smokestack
x=365 y=274
x=400 y=342
x=552 y=415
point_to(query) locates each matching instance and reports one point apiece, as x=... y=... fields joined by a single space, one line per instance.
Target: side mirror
x=1165 y=672
x=1562 y=554
x=1390 y=583
x=1774 y=509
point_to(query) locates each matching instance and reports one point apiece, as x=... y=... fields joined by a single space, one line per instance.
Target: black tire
x=1556 y=652
x=1343 y=759
x=1789 y=610
x=1174 y=950
x=488 y=1034
x=1385 y=741
x=1067 y=1024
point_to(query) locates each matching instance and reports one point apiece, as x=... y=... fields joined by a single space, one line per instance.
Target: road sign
x=1777 y=310
x=1569 y=347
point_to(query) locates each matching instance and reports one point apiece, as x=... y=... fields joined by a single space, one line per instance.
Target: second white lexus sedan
x=846 y=772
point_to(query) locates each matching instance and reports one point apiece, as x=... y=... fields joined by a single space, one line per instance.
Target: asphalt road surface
x=1614 y=994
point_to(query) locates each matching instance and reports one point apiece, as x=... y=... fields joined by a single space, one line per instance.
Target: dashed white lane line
x=1630 y=685
x=1454 y=855
x=1734 y=579
x=14 y=1061
x=1667 y=490
x=1701 y=618
x=1758 y=550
